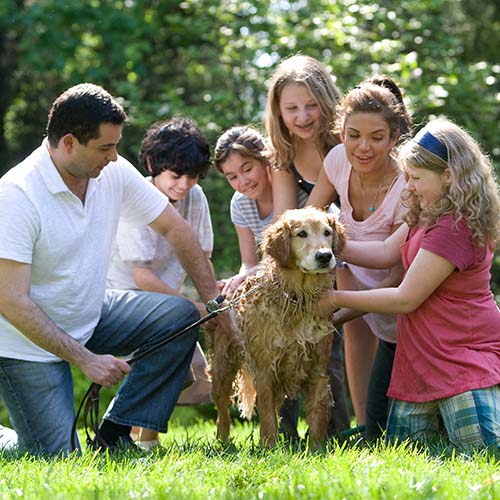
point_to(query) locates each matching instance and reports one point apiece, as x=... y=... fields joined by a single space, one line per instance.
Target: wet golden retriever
x=286 y=345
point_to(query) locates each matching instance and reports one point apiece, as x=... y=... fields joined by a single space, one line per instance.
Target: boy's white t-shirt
x=143 y=247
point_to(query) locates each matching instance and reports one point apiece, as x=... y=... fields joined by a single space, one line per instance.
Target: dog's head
x=307 y=239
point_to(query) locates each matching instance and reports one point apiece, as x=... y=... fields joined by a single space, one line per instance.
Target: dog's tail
x=247 y=393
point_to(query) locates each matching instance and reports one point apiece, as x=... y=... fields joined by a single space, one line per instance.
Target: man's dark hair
x=80 y=110
x=177 y=145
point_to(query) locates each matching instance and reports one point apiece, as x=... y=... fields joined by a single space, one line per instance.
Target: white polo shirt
x=67 y=242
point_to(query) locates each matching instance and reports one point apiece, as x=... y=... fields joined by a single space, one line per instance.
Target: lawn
x=192 y=465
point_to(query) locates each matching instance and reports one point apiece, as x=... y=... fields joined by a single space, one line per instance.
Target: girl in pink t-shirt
x=446 y=371
x=364 y=174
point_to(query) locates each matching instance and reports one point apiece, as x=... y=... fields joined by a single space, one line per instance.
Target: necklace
x=371 y=207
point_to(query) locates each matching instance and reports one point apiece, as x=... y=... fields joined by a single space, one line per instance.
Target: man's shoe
x=122 y=444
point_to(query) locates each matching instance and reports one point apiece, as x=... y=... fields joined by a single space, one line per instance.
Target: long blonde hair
x=307 y=71
x=471 y=194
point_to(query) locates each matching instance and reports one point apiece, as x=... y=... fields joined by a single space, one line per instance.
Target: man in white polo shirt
x=59 y=213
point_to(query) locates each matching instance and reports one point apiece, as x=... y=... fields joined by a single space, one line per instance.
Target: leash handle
x=90 y=402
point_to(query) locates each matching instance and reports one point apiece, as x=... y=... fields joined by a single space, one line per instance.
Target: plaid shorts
x=471 y=418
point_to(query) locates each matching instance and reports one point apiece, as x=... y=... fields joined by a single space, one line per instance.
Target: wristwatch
x=213 y=304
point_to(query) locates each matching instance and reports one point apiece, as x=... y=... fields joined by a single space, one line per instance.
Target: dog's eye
x=327 y=232
x=302 y=234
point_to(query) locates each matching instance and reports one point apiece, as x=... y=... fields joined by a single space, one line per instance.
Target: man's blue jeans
x=39 y=396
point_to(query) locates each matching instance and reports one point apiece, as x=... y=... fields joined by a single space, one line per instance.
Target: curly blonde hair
x=472 y=193
x=307 y=71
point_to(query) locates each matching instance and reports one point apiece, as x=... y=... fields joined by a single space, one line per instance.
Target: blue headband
x=432 y=144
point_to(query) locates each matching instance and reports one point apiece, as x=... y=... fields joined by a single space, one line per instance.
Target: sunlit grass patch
x=191 y=464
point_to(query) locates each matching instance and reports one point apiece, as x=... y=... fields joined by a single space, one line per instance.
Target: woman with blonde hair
x=299 y=119
x=446 y=374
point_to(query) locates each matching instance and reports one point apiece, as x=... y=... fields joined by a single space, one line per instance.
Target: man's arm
x=18 y=308
x=146 y=279
x=191 y=256
x=187 y=249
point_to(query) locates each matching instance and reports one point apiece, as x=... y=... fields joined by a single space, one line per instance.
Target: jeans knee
x=192 y=311
x=190 y=315
x=185 y=310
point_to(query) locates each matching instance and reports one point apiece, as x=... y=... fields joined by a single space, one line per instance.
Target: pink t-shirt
x=376 y=227
x=451 y=343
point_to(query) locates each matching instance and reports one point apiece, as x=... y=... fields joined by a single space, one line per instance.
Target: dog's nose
x=323 y=256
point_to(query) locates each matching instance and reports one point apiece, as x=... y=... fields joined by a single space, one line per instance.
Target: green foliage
x=211 y=60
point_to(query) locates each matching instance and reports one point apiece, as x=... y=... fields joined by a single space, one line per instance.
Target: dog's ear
x=339 y=235
x=276 y=242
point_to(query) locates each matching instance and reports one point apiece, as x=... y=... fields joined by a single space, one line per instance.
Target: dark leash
x=90 y=402
x=351 y=431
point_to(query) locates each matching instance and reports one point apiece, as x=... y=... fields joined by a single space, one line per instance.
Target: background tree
x=211 y=60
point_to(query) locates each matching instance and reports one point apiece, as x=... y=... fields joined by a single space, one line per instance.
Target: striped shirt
x=244 y=213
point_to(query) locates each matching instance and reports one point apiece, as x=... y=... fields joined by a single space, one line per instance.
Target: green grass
x=192 y=465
